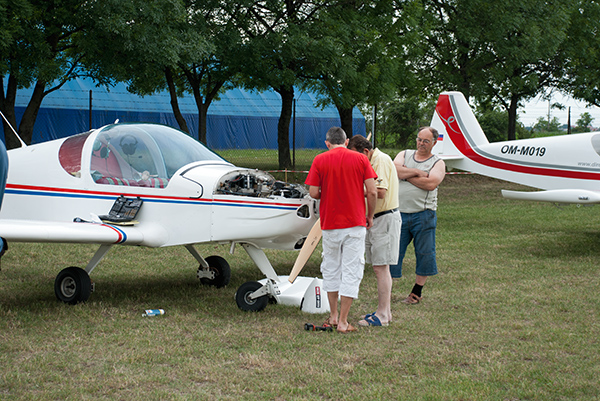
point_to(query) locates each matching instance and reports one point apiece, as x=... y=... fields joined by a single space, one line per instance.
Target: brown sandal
x=412 y=299
x=327 y=323
x=350 y=329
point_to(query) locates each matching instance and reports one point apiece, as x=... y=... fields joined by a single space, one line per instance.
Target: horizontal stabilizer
x=451 y=157
x=580 y=196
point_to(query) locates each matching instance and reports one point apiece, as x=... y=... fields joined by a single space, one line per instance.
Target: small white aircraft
x=566 y=167
x=154 y=186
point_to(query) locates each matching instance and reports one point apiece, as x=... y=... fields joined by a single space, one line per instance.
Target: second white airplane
x=565 y=167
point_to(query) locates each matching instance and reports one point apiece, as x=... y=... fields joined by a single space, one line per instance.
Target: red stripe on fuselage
x=68 y=191
x=445 y=112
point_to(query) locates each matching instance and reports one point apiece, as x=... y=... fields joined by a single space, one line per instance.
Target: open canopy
x=144 y=155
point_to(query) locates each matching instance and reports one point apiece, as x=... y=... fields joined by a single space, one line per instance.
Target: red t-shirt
x=341 y=174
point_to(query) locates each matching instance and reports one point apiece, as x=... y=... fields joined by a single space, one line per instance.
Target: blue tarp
x=240 y=119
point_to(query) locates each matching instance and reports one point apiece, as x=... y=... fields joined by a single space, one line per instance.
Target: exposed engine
x=258 y=184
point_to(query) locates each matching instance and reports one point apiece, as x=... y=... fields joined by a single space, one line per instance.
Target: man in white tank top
x=420 y=172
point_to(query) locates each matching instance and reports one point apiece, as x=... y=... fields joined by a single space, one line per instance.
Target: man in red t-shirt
x=339 y=177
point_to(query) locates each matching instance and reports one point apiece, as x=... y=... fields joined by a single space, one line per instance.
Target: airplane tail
x=459 y=130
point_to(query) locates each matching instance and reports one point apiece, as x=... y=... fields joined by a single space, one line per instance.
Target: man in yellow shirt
x=382 y=240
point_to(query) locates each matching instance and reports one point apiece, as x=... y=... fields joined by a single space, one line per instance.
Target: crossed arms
x=419 y=178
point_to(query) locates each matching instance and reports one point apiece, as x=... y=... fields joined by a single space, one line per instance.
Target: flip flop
x=371 y=320
x=371 y=314
x=350 y=329
x=326 y=323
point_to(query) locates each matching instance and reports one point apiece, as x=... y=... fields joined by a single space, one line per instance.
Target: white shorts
x=343 y=262
x=383 y=240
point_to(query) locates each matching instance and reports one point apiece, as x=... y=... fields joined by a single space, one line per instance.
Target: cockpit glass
x=143 y=154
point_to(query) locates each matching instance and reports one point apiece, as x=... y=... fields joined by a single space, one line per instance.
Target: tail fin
x=459 y=130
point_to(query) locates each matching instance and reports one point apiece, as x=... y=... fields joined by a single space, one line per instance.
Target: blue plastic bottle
x=153 y=312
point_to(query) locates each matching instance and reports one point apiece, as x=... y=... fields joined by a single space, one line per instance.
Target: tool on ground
x=312 y=327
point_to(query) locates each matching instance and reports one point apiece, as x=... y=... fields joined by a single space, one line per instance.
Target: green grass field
x=513 y=315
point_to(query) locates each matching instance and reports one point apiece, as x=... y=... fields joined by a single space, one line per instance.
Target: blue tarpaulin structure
x=240 y=119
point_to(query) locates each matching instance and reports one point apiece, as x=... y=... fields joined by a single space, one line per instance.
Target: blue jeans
x=419 y=227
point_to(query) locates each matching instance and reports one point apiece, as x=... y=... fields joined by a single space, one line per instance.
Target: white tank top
x=411 y=198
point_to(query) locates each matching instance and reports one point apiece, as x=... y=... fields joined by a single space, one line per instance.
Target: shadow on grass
x=562 y=244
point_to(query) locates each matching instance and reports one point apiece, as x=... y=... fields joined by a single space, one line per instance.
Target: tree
x=494 y=122
x=284 y=46
x=207 y=71
x=584 y=122
x=545 y=127
x=166 y=44
x=399 y=120
x=580 y=53
x=39 y=48
x=204 y=65
x=369 y=35
x=501 y=51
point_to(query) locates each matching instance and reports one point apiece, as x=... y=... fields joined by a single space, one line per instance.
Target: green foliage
x=580 y=53
x=550 y=127
x=502 y=51
x=350 y=52
x=584 y=122
x=399 y=120
x=494 y=123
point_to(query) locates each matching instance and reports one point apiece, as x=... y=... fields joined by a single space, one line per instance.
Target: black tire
x=72 y=285
x=222 y=272
x=242 y=297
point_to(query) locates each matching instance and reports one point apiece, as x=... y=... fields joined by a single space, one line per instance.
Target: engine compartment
x=259 y=184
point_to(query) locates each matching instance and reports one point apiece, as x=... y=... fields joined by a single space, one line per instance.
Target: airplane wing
x=66 y=232
x=580 y=196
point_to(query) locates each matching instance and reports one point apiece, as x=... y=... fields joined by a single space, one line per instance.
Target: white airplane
x=154 y=186
x=565 y=167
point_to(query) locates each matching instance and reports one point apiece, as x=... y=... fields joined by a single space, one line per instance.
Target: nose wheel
x=249 y=299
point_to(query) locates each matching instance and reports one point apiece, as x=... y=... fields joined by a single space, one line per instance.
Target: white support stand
x=98 y=256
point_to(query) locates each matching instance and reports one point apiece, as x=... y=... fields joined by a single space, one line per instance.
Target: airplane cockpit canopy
x=145 y=155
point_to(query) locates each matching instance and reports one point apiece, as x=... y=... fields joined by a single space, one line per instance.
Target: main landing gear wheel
x=221 y=272
x=72 y=285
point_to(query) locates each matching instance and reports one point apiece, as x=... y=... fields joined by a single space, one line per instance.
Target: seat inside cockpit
x=128 y=157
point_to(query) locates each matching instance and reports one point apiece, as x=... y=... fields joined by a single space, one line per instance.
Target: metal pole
x=294 y=135
x=374 y=124
x=90 y=110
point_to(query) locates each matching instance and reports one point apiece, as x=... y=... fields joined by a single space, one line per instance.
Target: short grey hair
x=434 y=132
x=336 y=136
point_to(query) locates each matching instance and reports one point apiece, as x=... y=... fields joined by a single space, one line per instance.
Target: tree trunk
x=31 y=112
x=346 y=119
x=7 y=106
x=174 y=102
x=512 y=118
x=203 y=103
x=202 y=114
x=283 y=126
